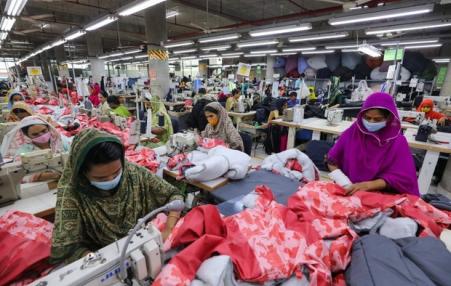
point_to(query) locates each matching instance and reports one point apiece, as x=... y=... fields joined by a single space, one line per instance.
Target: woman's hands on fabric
x=441 y=121
x=367 y=186
x=49 y=176
x=155 y=140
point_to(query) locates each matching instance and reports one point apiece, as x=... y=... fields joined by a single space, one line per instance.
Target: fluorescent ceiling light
x=3 y=35
x=7 y=23
x=412 y=27
x=208 y=56
x=100 y=23
x=318 y=52
x=189 y=58
x=257 y=43
x=141 y=56
x=216 y=48
x=57 y=43
x=15 y=7
x=254 y=55
x=283 y=54
x=178 y=44
x=115 y=60
x=232 y=54
x=341 y=47
x=264 y=52
x=126 y=58
x=281 y=30
x=132 y=51
x=184 y=51
x=75 y=35
x=413 y=42
x=171 y=14
x=318 y=37
x=230 y=57
x=350 y=50
x=219 y=38
x=382 y=15
x=369 y=50
x=173 y=59
x=442 y=60
x=423 y=46
x=299 y=49
x=258 y=64
x=137 y=6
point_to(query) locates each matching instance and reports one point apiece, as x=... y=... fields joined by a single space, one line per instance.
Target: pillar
x=60 y=54
x=156 y=35
x=45 y=66
x=269 y=69
x=446 y=88
x=95 y=48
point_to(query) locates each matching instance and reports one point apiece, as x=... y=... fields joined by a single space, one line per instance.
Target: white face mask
x=108 y=185
x=373 y=126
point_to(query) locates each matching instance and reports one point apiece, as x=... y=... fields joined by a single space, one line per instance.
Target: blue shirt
x=292 y=103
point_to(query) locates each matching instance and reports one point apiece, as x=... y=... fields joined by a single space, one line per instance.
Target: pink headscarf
x=94 y=97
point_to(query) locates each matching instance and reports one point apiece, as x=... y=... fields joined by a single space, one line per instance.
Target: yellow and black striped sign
x=161 y=55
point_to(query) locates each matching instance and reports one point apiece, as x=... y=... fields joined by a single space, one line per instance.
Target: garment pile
x=308 y=242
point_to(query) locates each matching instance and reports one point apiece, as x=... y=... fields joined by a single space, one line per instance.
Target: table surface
x=241 y=114
x=170 y=103
x=40 y=205
x=208 y=186
x=429 y=146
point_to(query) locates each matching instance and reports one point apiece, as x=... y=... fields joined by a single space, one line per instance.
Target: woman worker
x=373 y=153
x=101 y=196
x=161 y=123
x=32 y=134
x=19 y=111
x=117 y=107
x=427 y=106
x=14 y=97
x=220 y=126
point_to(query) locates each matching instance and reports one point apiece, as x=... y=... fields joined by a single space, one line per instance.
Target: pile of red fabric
x=53 y=102
x=272 y=241
x=145 y=157
x=209 y=143
x=25 y=242
x=45 y=110
x=179 y=163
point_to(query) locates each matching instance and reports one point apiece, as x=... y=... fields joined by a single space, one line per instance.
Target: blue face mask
x=107 y=185
x=373 y=126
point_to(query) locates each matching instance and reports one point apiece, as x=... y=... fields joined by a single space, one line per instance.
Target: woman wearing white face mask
x=101 y=196
x=373 y=153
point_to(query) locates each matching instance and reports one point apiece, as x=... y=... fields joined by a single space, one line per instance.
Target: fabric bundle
x=145 y=157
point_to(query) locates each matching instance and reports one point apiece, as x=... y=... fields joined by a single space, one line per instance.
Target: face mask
x=213 y=121
x=44 y=138
x=373 y=126
x=107 y=185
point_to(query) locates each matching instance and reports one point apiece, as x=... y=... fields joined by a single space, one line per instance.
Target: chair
x=247 y=142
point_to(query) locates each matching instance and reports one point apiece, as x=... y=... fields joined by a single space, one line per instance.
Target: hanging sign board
x=391 y=72
x=244 y=69
x=34 y=71
x=390 y=54
x=441 y=76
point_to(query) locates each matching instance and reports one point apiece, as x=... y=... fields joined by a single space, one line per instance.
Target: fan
x=204 y=25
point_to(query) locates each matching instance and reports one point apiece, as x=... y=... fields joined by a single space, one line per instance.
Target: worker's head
x=426 y=105
x=21 y=110
x=375 y=119
x=38 y=133
x=212 y=113
x=16 y=97
x=103 y=96
x=236 y=93
x=281 y=92
x=293 y=95
x=102 y=165
x=113 y=101
x=202 y=91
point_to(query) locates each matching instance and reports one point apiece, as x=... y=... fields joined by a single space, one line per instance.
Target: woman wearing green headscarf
x=101 y=196
x=161 y=123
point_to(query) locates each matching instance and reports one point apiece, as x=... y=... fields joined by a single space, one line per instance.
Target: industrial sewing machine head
x=11 y=174
x=419 y=116
x=144 y=257
x=334 y=116
x=182 y=142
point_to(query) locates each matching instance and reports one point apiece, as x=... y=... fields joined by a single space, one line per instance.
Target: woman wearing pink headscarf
x=94 y=97
x=373 y=153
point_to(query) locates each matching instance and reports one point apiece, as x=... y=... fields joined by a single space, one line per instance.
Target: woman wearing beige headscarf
x=19 y=111
x=220 y=126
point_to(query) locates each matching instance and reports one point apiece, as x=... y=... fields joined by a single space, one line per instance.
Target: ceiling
x=44 y=20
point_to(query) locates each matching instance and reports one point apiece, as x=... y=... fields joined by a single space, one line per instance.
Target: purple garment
x=385 y=154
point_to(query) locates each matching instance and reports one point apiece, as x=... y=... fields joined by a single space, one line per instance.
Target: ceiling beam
x=298 y=5
x=211 y=11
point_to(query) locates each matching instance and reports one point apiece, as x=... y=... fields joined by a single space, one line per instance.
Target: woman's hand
x=441 y=121
x=48 y=176
x=158 y=130
x=173 y=217
x=155 y=140
x=368 y=186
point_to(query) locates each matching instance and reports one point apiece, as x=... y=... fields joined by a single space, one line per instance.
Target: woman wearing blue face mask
x=101 y=196
x=373 y=153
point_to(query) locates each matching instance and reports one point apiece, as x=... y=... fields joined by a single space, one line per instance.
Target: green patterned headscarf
x=158 y=108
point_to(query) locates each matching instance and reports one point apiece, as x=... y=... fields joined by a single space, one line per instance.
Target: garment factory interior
x=225 y=142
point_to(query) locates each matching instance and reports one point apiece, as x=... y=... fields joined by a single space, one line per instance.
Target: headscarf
x=15 y=138
x=431 y=114
x=366 y=156
x=94 y=97
x=85 y=219
x=224 y=129
x=158 y=108
x=10 y=98
x=21 y=105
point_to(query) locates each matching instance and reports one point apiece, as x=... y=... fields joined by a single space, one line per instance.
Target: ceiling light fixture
x=3 y=35
x=254 y=55
x=101 y=22
x=184 y=51
x=170 y=14
x=264 y=52
x=216 y=48
x=299 y=49
x=319 y=37
x=350 y=50
x=442 y=60
x=232 y=54
x=189 y=58
x=7 y=23
x=318 y=52
x=283 y=54
x=141 y=56
x=411 y=27
x=15 y=7
x=369 y=50
x=281 y=30
x=257 y=43
x=131 y=51
x=341 y=47
x=382 y=15
x=75 y=35
x=230 y=57
x=219 y=38
x=423 y=46
x=58 y=43
x=209 y=56
x=137 y=6
x=413 y=42
x=178 y=44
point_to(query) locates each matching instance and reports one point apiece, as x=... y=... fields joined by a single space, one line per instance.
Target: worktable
x=238 y=116
x=208 y=186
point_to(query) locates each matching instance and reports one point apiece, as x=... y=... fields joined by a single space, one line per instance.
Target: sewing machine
x=334 y=116
x=11 y=174
x=288 y=114
x=144 y=257
x=419 y=116
x=182 y=141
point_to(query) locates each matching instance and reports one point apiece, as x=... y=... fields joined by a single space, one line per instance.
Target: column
x=446 y=88
x=156 y=35
x=95 y=48
x=45 y=66
x=60 y=54
x=269 y=68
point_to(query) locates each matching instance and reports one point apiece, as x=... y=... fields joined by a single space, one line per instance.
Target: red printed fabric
x=145 y=157
x=40 y=101
x=25 y=243
x=210 y=143
x=45 y=110
x=53 y=102
x=179 y=163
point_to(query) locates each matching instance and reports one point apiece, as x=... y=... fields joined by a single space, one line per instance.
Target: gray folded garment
x=396 y=228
